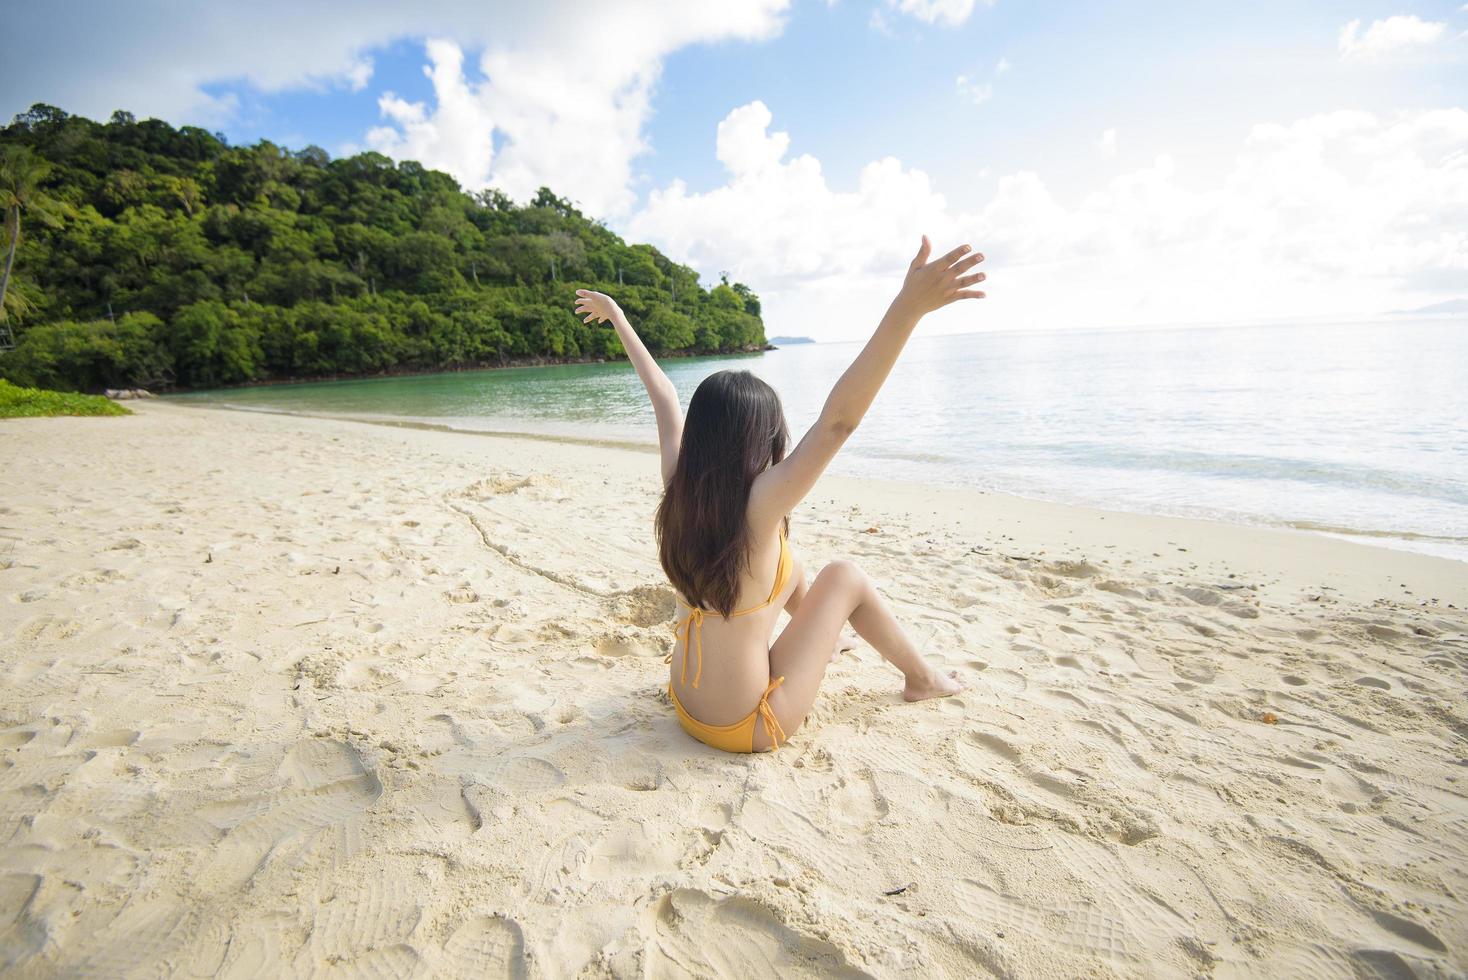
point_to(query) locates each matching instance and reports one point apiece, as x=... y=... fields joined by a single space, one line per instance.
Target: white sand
x=285 y=696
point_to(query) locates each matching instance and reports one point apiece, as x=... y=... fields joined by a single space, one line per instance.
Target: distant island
x=786 y=341
x=156 y=257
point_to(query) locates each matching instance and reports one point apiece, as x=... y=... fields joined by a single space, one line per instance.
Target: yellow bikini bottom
x=738 y=737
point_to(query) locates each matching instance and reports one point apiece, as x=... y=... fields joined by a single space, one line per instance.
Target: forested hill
x=153 y=256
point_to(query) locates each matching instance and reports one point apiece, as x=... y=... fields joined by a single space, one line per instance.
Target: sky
x=1119 y=163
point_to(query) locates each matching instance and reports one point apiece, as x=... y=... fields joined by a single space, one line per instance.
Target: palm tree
x=21 y=173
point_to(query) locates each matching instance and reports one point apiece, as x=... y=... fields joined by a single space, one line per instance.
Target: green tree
x=79 y=356
x=665 y=329
x=187 y=261
x=21 y=174
x=212 y=345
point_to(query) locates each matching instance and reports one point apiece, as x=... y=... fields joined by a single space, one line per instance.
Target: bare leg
x=846 y=641
x=842 y=592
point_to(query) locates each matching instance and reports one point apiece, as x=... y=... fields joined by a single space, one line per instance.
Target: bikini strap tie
x=772 y=724
x=690 y=631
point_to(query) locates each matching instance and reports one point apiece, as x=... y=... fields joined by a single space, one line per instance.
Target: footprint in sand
x=485 y=946
x=14 y=737
x=121 y=737
x=326 y=786
x=145 y=933
x=1375 y=682
x=1087 y=929
x=856 y=802
x=513 y=783
x=696 y=934
x=632 y=849
x=363 y=925
x=996 y=745
x=1006 y=680
x=1408 y=930
x=1070 y=697
x=48 y=628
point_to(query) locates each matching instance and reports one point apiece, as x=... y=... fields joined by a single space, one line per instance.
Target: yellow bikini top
x=690 y=628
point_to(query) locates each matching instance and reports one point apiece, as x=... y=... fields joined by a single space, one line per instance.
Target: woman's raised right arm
x=928 y=286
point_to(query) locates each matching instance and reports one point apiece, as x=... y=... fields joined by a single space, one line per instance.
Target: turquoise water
x=1357 y=429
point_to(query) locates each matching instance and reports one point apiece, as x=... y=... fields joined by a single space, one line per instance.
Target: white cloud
x=570 y=122
x=815 y=254
x=949 y=12
x=151 y=61
x=454 y=137
x=1341 y=213
x=1107 y=143
x=567 y=85
x=973 y=91
x=1386 y=36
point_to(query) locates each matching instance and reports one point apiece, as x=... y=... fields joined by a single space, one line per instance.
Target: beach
x=294 y=696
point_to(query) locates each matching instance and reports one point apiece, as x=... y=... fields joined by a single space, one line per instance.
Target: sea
x=1358 y=430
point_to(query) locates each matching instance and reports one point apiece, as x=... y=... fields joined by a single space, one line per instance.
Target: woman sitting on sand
x=728 y=489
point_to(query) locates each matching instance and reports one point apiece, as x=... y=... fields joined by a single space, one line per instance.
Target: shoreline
x=1361 y=538
x=529 y=361
x=283 y=694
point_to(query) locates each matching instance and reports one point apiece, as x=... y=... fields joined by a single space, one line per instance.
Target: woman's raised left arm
x=599 y=307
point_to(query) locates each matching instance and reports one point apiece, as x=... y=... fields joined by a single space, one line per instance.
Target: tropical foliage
x=163 y=256
x=16 y=403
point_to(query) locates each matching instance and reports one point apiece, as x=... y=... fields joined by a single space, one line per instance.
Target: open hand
x=930 y=285
x=595 y=307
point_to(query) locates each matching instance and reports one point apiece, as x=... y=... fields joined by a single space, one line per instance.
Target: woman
x=728 y=488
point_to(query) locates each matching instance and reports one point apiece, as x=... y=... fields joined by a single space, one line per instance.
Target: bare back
x=735 y=651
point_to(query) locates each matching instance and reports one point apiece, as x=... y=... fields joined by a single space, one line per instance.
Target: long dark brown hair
x=734 y=430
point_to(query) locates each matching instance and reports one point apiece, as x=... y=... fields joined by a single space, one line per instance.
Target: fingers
x=924 y=250
x=953 y=256
x=968 y=263
x=963 y=281
x=964 y=294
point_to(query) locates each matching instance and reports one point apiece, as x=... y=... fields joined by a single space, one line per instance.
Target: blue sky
x=1168 y=73
x=1104 y=154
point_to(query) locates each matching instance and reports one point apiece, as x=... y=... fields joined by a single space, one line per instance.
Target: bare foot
x=934 y=686
x=848 y=640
